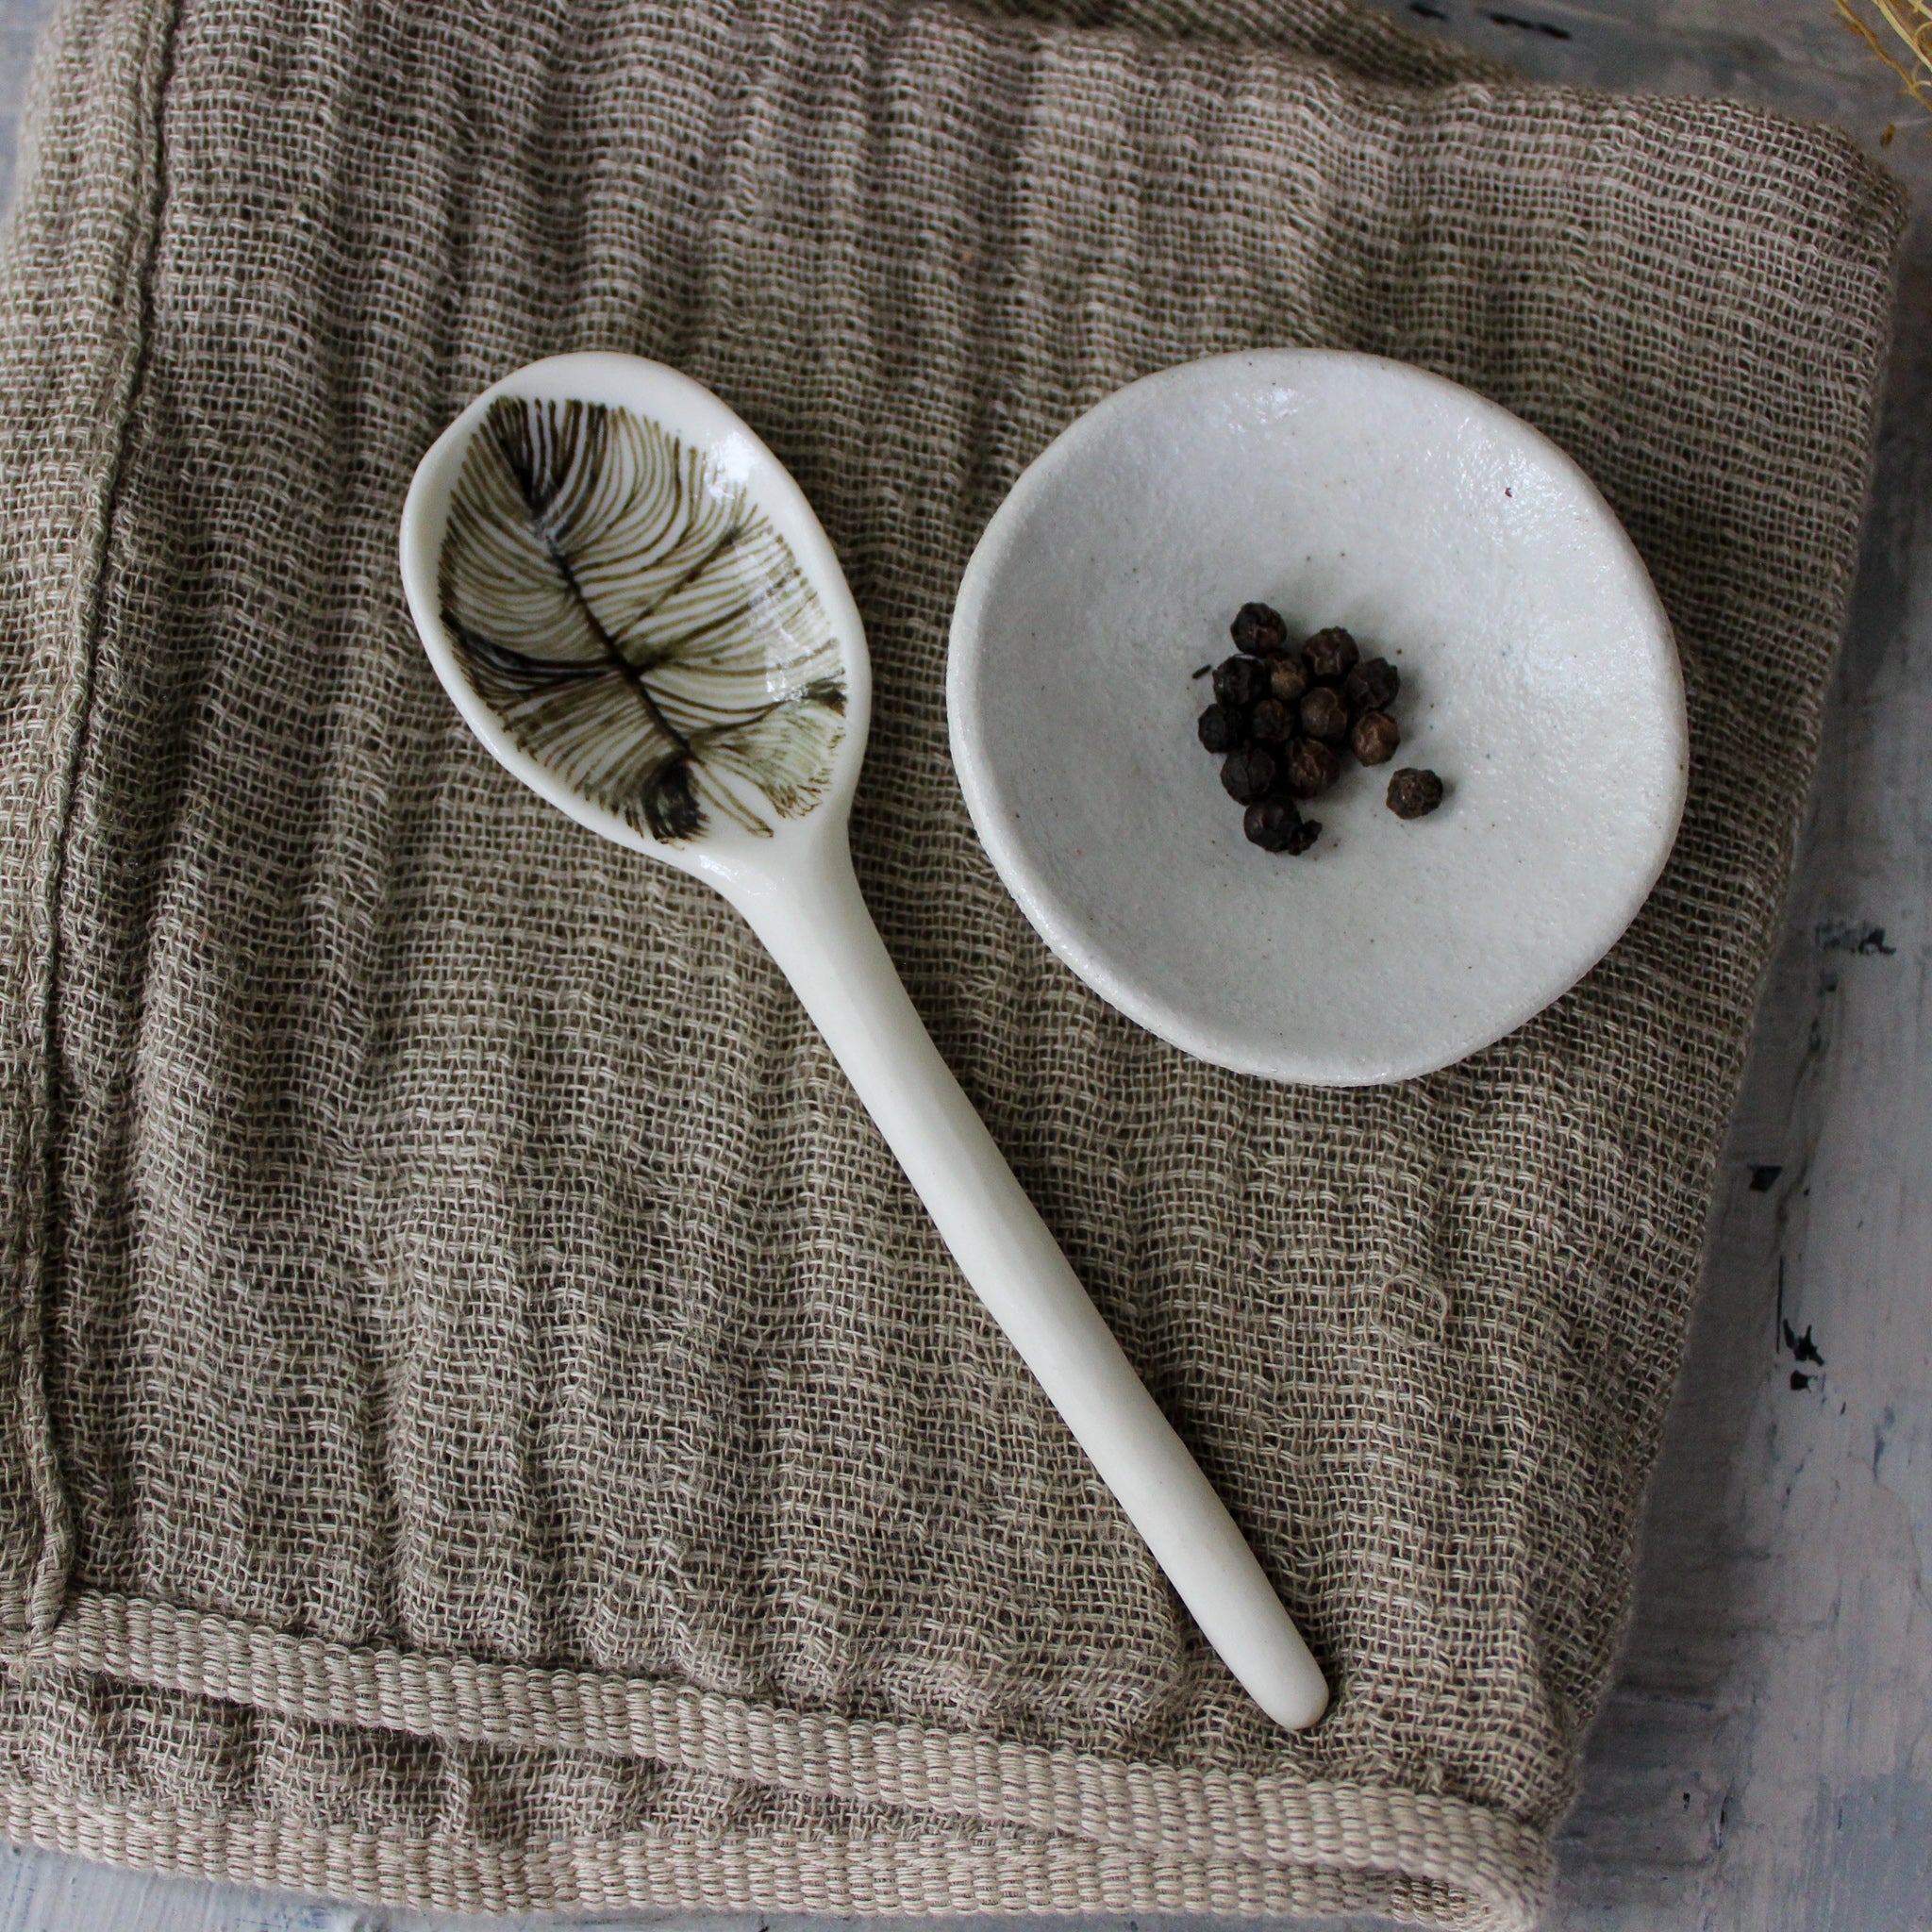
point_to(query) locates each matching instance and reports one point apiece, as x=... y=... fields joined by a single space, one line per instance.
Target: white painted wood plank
x=1766 y=1758
x=40 y=1892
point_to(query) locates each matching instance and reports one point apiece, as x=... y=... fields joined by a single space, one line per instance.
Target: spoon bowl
x=634 y=607
x=660 y=508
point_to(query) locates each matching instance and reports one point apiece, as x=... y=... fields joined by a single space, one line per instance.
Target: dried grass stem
x=1908 y=21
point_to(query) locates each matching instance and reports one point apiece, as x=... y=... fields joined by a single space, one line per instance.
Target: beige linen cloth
x=485 y=1425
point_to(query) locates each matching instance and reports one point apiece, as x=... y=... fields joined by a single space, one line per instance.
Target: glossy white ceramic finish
x=1539 y=679
x=799 y=891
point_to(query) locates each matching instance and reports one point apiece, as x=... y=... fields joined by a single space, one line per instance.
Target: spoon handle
x=816 y=926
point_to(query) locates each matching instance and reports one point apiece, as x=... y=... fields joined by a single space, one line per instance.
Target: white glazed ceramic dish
x=1538 y=679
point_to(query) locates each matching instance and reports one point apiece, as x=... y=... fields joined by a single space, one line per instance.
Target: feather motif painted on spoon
x=635 y=622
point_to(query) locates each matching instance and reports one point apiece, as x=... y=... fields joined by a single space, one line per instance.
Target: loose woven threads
x=497 y=1429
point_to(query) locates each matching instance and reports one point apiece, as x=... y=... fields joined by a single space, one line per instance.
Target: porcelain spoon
x=634 y=607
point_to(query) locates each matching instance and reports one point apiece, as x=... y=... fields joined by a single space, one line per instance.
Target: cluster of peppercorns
x=1278 y=717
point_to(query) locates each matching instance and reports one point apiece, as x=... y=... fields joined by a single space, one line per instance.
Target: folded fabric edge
x=93 y=304
x=1367 y=52
x=1354 y=37
x=1202 y=1820
x=804 y=1871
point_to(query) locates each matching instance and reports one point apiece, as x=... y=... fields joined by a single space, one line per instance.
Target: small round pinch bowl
x=1538 y=678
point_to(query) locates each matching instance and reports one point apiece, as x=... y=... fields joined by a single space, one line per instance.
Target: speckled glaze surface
x=1539 y=675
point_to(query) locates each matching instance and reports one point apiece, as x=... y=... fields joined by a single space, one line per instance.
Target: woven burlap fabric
x=487 y=1424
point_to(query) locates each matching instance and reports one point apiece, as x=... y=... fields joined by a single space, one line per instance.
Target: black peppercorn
x=1325 y=714
x=1272 y=824
x=1412 y=794
x=1331 y=655
x=1223 y=728
x=1372 y=685
x=1258 y=631
x=1282 y=719
x=1288 y=678
x=1247 y=774
x=1240 y=680
x=1375 y=738
x=1271 y=721
x=1311 y=768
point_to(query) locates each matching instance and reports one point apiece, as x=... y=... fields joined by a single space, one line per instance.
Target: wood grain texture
x=1764 y=1763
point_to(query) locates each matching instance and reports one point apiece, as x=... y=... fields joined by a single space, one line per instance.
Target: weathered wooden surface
x=1765 y=1760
